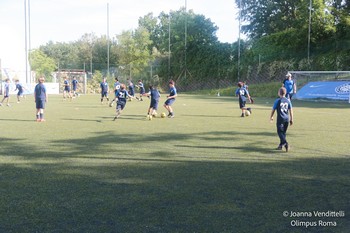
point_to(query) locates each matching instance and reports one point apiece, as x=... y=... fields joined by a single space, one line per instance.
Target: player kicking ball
x=155 y=95
x=122 y=95
x=284 y=110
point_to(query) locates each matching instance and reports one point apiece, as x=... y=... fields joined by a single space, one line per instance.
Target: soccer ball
x=247 y=113
x=163 y=115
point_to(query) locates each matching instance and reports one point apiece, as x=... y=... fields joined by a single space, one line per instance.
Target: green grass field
x=206 y=170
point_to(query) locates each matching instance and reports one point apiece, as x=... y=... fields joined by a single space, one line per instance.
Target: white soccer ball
x=247 y=113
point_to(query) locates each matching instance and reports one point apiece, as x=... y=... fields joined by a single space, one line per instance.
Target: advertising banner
x=335 y=90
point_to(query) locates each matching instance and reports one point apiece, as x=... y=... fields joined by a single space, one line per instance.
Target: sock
x=41 y=115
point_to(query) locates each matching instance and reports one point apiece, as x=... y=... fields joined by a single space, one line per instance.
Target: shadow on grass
x=87 y=186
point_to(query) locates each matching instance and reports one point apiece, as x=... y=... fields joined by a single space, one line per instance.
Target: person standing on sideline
x=104 y=90
x=40 y=98
x=6 y=93
x=243 y=94
x=290 y=86
x=284 y=110
x=171 y=98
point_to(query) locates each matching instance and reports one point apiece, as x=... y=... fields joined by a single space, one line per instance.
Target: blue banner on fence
x=337 y=90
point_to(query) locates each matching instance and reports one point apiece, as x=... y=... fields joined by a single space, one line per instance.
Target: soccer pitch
x=206 y=170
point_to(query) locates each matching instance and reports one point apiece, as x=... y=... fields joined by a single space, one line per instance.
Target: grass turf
x=206 y=170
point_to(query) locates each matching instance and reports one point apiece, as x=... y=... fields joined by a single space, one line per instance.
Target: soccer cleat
x=242 y=115
x=279 y=147
x=250 y=110
x=286 y=146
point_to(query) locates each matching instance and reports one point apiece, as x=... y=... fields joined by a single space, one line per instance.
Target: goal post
x=70 y=74
x=322 y=85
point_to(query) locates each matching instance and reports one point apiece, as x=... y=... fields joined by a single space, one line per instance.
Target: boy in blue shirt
x=40 y=97
x=104 y=90
x=142 y=90
x=75 y=86
x=131 y=88
x=284 y=110
x=6 y=93
x=290 y=86
x=155 y=95
x=116 y=89
x=20 y=89
x=171 y=99
x=66 y=89
x=122 y=95
x=243 y=94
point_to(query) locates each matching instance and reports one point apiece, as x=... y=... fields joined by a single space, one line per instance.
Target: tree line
x=182 y=45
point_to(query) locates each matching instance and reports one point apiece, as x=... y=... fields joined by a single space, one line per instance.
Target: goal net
x=322 y=85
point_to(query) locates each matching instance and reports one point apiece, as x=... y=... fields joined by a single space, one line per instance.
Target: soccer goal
x=322 y=85
x=70 y=74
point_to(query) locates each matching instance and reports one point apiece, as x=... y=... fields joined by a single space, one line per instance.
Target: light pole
x=239 y=41
x=309 y=35
x=107 y=39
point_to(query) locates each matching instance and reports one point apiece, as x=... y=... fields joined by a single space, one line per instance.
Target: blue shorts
x=154 y=104
x=242 y=103
x=289 y=95
x=104 y=94
x=40 y=104
x=67 y=89
x=20 y=93
x=120 y=105
x=169 y=102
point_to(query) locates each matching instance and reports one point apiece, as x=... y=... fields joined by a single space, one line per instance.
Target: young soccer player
x=155 y=95
x=243 y=94
x=116 y=89
x=171 y=99
x=40 y=97
x=284 y=110
x=122 y=94
x=6 y=93
x=66 y=89
x=104 y=90
x=142 y=90
x=74 y=86
x=245 y=85
x=290 y=86
x=131 y=88
x=20 y=89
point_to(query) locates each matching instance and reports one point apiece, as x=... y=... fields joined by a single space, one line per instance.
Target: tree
x=42 y=64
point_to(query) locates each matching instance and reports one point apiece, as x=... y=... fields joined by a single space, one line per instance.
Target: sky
x=68 y=20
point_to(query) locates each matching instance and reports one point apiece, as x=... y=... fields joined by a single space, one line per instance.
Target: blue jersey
x=282 y=106
x=74 y=84
x=116 y=86
x=131 y=88
x=289 y=85
x=121 y=95
x=154 y=94
x=172 y=91
x=7 y=89
x=40 y=92
x=19 y=87
x=104 y=87
x=142 y=88
x=242 y=93
x=66 y=84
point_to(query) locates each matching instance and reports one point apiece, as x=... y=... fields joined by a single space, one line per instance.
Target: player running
x=122 y=95
x=6 y=93
x=290 y=86
x=75 y=86
x=142 y=90
x=20 y=89
x=131 y=88
x=66 y=89
x=284 y=109
x=170 y=99
x=116 y=89
x=243 y=94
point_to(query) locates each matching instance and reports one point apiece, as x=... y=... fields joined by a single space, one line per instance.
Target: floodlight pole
x=309 y=35
x=169 y=48
x=26 y=38
x=185 y=38
x=239 y=41
x=107 y=39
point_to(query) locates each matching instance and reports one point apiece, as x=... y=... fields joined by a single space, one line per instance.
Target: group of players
x=19 y=88
x=282 y=106
x=121 y=95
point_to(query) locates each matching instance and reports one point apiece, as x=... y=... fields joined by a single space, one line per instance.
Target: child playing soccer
x=243 y=94
x=40 y=97
x=121 y=102
x=142 y=90
x=290 y=86
x=66 y=89
x=170 y=99
x=74 y=86
x=104 y=90
x=131 y=88
x=155 y=95
x=6 y=93
x=116 y=89
x=284 y=110
x=20 y=89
